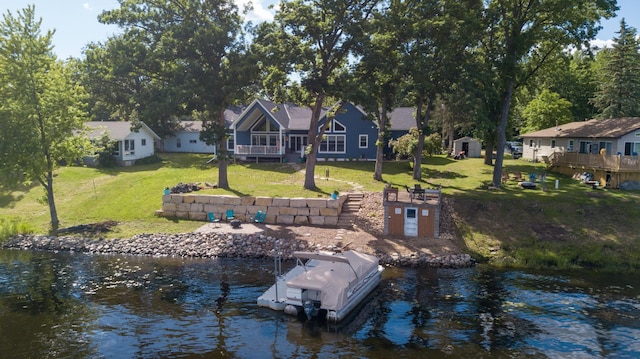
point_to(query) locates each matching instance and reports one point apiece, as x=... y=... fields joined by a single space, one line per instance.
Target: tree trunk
x=223 y=179
x=422 y=123
x=488 y=151
x=451 y=135
x=382 y=125
x=506 y=103
x=315 y=138
x=55 y=222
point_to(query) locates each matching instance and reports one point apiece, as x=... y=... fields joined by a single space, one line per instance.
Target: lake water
x=64 y=305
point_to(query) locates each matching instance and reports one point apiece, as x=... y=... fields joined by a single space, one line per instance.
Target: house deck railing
x=259 y=150
x=615 y=163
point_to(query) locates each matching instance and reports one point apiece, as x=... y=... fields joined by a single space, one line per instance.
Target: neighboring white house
x=187 y=139
x=470 y=146
x=130 y=145
x=607 y=136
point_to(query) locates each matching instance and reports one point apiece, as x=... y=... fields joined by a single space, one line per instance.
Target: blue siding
x=356 y=124
x=342 y=143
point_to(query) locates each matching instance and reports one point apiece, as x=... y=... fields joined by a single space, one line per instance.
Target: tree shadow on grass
x=8 y=198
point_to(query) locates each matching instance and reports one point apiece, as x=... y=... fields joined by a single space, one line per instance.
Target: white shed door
x=411 y=222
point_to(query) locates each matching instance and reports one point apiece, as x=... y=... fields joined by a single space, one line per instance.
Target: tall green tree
x=569 y=74
x=437 y=37
x=41 y=109
x=618 y=92
x=304 y=55
x=520 y=32
x=546 y=110
x=126 y=81
x=376 y=83
x=200 y=45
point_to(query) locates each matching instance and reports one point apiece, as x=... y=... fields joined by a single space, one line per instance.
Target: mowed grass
x=572 y=226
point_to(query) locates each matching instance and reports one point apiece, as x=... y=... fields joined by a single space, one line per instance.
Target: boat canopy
x=334 y=275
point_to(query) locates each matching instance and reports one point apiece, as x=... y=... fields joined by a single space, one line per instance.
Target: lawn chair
x=260 y=216
x=230 y=216
x=213 y=219
x=505 y=178
x=418 y=191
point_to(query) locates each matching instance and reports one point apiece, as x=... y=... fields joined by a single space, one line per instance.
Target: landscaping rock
x=212 y=245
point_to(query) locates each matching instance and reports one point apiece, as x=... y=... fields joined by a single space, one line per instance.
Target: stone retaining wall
x=214 y=245
x=313 y=211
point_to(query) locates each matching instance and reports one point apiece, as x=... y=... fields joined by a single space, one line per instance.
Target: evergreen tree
x=618 y=92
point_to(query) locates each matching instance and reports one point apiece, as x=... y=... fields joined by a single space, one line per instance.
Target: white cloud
x=601 y=44
x=260 y=11
x=86 y=6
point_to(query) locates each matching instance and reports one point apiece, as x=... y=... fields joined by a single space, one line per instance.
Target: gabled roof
x=295 y=117
x=190 y=126
x=402 y=118
x=230 y=115
x=607 y=128
x=116 y=130
x=466 y=139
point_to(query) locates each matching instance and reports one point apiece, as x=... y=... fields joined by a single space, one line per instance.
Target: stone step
x=349 y=209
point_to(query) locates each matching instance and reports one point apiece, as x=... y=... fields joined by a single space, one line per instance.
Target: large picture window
x=333 y=144
x=264 y=139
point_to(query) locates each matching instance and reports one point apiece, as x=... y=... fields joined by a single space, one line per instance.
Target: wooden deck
x=613 y=163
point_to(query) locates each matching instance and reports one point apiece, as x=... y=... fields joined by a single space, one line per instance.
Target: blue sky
x=76 y=24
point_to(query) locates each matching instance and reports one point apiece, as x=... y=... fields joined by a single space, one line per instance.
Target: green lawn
x=572 y=226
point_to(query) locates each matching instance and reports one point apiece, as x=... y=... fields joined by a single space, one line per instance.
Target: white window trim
x=366 y=140
x=332 y=128
x=333 y=136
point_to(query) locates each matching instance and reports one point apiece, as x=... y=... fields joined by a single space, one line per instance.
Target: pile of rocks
x=185 y=187
x=212 y=245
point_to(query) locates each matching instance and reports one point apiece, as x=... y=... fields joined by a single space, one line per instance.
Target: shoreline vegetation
x=572 y=226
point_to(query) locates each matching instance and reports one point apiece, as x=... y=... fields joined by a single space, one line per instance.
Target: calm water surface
x=80 y=306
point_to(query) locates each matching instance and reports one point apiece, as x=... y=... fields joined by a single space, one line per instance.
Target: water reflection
x=80 y=306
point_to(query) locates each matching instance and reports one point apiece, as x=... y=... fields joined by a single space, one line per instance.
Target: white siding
x=139 y=151
x=189 y=142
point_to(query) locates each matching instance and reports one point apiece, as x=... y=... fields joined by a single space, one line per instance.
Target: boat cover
x=333 y=276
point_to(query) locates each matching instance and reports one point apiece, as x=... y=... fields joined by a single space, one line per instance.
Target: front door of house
x=298 y=144
x=411 y=222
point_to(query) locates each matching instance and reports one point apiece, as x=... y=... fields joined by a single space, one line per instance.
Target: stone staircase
x=350 y=209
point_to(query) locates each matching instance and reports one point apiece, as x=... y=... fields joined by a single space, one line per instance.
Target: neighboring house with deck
x=607 y=148
x=266 y=130
x=130 y=145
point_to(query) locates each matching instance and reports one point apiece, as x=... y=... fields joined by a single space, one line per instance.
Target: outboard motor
x=309 y=309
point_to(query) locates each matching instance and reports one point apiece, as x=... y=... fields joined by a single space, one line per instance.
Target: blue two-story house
x=266 y=130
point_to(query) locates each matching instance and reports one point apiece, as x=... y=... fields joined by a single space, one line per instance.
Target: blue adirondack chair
x=230 y=216
x=260 y=216
x=213 y=219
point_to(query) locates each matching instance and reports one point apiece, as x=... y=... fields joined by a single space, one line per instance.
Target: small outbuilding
x=414 y=213
x=471 y=147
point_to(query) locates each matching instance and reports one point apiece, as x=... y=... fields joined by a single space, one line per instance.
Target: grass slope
x=573 y=226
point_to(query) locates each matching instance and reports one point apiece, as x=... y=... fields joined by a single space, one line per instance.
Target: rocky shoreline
x=214 y=245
